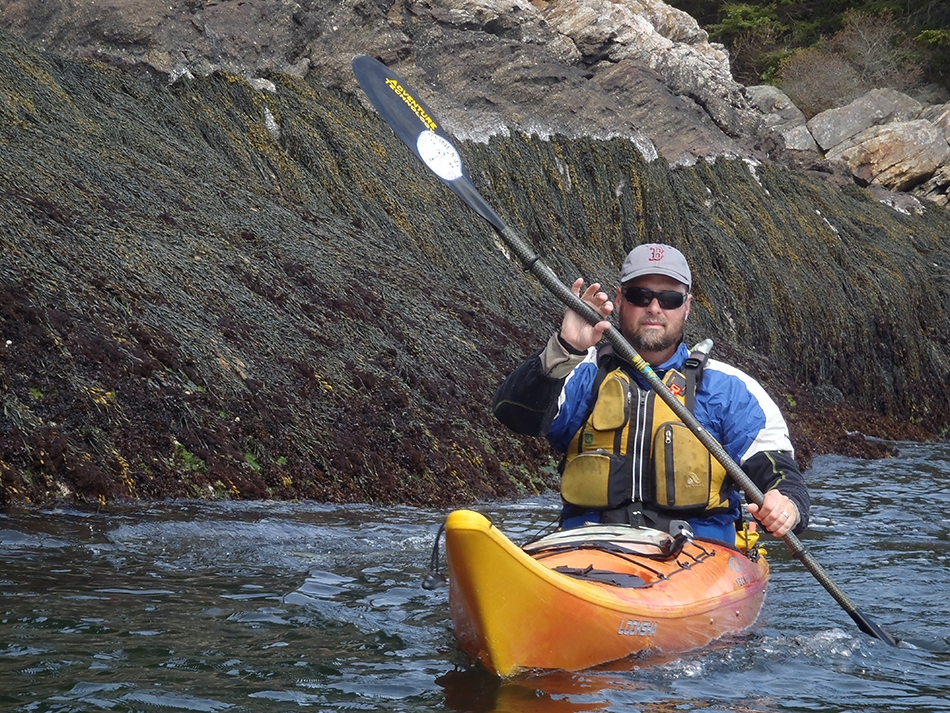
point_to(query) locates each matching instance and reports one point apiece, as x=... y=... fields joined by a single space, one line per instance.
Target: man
x=626 y=456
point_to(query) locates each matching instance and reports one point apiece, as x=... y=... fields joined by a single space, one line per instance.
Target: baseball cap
x=656 y=259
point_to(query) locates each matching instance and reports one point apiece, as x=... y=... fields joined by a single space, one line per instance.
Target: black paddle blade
x=415 y=124
x=873 y=629
x=409 y=117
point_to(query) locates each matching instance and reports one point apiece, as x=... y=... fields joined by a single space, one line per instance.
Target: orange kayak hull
x=551 y=609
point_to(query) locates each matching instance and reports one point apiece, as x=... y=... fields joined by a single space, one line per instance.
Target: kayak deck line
x=517 y=608
x=589 y=573
x=625 y=554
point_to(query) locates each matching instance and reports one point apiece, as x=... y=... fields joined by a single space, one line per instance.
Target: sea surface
x=264 y=606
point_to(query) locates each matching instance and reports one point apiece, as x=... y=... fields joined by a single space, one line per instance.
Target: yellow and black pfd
x=634 y=460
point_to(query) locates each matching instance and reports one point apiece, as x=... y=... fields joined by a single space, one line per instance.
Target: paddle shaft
x=409 y=117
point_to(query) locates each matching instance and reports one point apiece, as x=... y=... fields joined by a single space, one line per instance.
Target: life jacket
x=632 y=449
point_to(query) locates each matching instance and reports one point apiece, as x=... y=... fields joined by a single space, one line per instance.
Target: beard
x=653 y=340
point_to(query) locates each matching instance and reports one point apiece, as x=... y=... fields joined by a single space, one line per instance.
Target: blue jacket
x=732 y=406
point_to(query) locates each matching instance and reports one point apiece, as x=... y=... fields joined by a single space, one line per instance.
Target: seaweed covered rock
x=219 y=288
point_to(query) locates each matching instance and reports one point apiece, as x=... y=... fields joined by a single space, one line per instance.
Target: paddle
x=414 y=123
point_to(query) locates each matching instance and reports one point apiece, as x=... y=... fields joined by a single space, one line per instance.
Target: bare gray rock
x=175 y=38
x=879 y=106
x=898 y=156
x=799 y=138
x=624 y=41
x=937 y=187
x=781 y=116
x=779 y=111
x=940 y=116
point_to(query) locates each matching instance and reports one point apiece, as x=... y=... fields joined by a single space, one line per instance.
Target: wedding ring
x=785 y=516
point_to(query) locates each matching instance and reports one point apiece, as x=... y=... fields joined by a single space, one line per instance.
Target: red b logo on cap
x=656 y=253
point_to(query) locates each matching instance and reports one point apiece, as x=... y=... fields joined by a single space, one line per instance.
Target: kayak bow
x=581 y=597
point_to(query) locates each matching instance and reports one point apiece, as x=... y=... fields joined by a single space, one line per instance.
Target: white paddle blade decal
x=439 y=155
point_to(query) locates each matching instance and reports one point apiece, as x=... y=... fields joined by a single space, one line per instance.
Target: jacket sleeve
x=750 y=426
x=526 y=402
x=778 y=470
x=533 y=395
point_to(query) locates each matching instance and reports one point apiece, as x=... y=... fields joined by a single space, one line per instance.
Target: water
x=300 y=606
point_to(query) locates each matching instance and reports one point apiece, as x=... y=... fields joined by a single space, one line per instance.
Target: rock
x=175 y=38
x=620 y=68
x=901 y=202
x=229 y=288
x=782 y=116
x=799 y=138
x=680 y=128
x=637 y=69
x=879 y=106
x=940 y=116
x=779 y=111
x=937 y=188
x=898 y=156
x=633 y=68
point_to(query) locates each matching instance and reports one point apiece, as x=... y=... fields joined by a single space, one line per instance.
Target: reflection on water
x=295 y=606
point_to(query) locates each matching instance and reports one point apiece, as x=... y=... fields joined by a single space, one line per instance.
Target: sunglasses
x=642 y=297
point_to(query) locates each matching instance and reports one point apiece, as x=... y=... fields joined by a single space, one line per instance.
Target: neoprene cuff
x=556 y=361
x=568 y=347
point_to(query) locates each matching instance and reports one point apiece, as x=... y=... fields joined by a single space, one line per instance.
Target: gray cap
x=656 y=259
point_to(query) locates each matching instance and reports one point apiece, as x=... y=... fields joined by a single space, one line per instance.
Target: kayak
x=594 y=594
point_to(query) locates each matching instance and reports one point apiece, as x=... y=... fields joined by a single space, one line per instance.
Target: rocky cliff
x=633 y=68
x=238 y=283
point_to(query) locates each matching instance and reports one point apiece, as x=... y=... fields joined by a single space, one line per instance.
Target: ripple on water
x=287 y=606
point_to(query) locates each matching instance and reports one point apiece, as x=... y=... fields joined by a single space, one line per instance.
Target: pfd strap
x=693 y=367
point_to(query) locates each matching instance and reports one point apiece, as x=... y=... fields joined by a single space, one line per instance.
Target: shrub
x=878 y=48
x=756 y=54
x=869 y=52
x=753 y=34
x=816 y=80
x=935 y=46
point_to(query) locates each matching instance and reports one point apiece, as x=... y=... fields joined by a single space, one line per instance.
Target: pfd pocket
x=683 y=469
x=595 y=480
x=612 y=409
